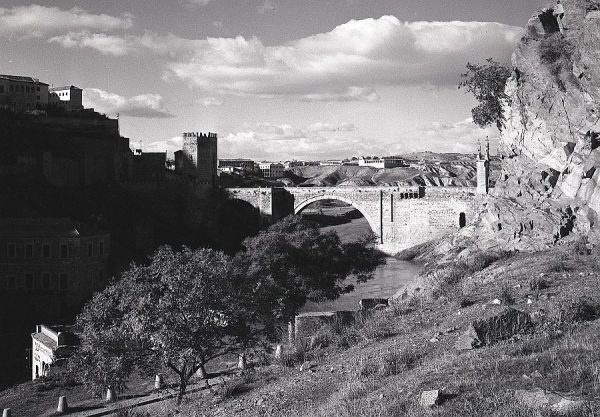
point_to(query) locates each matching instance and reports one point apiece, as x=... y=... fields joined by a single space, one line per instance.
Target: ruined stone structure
x=400 y=217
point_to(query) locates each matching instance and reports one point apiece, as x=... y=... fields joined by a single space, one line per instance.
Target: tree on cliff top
x=186 y=308
x=487 y=82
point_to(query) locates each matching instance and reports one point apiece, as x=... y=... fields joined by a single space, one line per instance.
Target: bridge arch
x=305 y=203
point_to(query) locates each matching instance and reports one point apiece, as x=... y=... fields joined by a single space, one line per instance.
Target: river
x=388 y=278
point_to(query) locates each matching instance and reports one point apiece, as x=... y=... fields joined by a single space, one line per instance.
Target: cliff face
x=549 y=188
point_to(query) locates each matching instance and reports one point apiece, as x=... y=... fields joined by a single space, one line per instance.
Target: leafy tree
x=486 y=82
x=176 y=311
x=189 y=307
x=292 y=262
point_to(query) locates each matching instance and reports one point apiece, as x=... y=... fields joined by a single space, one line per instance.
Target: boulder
x=498 y=324
x=430 y=399
x=540 y=399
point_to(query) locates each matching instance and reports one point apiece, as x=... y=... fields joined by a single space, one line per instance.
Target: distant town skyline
x=276 y=79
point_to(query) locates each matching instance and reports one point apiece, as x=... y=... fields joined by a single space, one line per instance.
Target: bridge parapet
x=400 y=217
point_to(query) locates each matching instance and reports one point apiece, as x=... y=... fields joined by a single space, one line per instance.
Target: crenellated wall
x=400 y=217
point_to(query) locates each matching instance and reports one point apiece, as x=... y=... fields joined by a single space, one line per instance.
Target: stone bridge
x=400 y=217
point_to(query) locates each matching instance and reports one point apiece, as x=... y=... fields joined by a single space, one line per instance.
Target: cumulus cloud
x=210 y=101
x=347 y=63
x=170 y=146
x=39 y=21
x=106 y=44
x=144 y=105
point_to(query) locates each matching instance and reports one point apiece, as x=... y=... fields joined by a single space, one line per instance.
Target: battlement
x=209 y=135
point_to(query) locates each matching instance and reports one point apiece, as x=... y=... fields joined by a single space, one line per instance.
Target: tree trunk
x=182 y=388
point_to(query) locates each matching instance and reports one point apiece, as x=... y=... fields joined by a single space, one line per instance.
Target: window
x=12 y=88
x=12 y=250
x=12 y=283
x=64 y=250
x=1 y=89
x=2 y=284
x=38 y=88
x=90 y=249
x=29 y=250
x=63 y=281
x=46 y=281
x=37 y=283
x=29 y=281
x=22 y=89
x=462 y=220
x=101 y=247
x=46 y=250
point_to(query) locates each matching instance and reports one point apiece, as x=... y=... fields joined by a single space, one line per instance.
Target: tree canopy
x=487 y=82
x=185 y=308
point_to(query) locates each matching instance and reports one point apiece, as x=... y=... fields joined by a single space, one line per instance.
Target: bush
x=538 y=283
x=395 y=362
x=231 y=388
x=558 y=264
x=506 y=295
x=580 y=310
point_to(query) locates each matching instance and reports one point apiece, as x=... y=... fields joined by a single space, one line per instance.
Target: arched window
x=462 y=220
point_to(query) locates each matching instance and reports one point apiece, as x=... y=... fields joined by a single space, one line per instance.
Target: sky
x=276 y=79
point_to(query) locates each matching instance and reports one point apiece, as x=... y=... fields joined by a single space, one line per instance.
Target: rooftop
x=68 y=87
x=43 y=227
x=21 y=79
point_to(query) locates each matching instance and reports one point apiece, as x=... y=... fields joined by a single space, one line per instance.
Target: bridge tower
x=483 y=169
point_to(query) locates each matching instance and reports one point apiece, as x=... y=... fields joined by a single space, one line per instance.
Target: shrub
x=558 y=264
x=506 y=295
x=538 y=283
x=231 y=388
x=296 y=354
x=580 y=310
x=397 y=361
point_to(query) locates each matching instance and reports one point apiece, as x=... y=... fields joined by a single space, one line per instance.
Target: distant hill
x=429 y=169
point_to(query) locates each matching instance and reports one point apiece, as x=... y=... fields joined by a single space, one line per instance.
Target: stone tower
x=483 y=169
x=198 y=159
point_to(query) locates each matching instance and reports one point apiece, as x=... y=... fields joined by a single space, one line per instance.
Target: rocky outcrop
x=497 y=324
x=549 y=188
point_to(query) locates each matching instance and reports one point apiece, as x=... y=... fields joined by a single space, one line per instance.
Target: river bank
x=388 y=279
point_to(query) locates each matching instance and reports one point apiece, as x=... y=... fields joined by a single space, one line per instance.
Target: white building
x=69 y=97
x=50 y=347
x=380 y=163
x=271 y=169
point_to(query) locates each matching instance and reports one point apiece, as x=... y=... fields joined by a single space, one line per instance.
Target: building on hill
x=197 y=161
x=66 y=149
x=68 y=97
x=50 y=348
x=52 y=256
x=246 y=165
x=271 y=169
x=22 y=93
x=381 y=163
